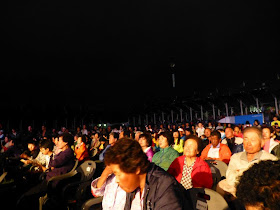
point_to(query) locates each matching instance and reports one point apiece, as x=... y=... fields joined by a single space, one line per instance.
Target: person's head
x=176 y=134
x=207 y=132
x=215 y=138
x=200 y=125
x=7 y=139
x=192 y=146
x=128 y=162
x=267 y=132
x=229 y=133
x=29 y=128
x=113 y=137
x=252 y=140
x=275 y=118
x=165 y=139
x=236 y=130
x=145 y=140
x=65 y=141
x=137 y=135
x=31 y=145
x=259 y=186
x=181 y=131
x=188 y=131
x=46 y=147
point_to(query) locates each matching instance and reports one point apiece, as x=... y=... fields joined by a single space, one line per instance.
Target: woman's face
x=127 y=181
x=176 y=134
x=61 y=144
x=190 y=148
x=143 y=142
x=163 y=142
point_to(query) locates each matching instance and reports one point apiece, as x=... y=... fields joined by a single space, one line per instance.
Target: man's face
x=127 y=181
x=214 y=140
x=251 y=142
x=207 y=132
x=229 y=133
x=266 y=133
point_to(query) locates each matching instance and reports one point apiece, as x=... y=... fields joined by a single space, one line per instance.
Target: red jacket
x=201 y=173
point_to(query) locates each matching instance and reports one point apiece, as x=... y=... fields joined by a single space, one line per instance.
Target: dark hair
x=198 y=141
x=126 y=133
x=116 y=135
x=216 y=133
x=128 y=154
x=47 y=143
x=68 y=138
x=148 y=138
x=167 y=135
x=268 y=127
x=260 y=184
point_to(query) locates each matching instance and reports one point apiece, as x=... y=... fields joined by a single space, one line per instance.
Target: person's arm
x=225 y=154
x=98 y=185
x=102 y=179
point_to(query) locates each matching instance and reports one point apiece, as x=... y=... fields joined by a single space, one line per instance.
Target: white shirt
x=214 y=152
x=137 y=202
x=200 y=131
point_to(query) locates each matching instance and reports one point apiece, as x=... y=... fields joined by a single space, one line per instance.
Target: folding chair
x=203 y=199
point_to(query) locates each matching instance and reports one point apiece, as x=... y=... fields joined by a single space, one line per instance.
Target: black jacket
x=162 y=191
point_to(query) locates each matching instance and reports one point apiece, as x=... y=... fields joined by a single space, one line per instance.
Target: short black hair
x=148 y=138
x=216 y=133
x=47 y=143
x=116 y=135
x=68 y=138
x=167 y=135
x=260 y=184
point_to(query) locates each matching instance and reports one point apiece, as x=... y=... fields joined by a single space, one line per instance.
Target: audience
x=216 y=150
x=167 y=154
x=190 y=170
x=81 y=150
x=240 y=162
x=163 y=148
x=147 y=186
x=145 y=141
x=234 y=143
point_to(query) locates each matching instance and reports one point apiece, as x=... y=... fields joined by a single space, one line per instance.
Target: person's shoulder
x=159 y=175
x=237 y=155
x=267 y=156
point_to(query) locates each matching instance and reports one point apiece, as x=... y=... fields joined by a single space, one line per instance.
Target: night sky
x=113 y=53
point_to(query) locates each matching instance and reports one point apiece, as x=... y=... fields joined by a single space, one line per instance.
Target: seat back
x=216 y=200
x=222 y=166
x=87 y=169
x=203 y=198
x=216 y=175
x=93 y=203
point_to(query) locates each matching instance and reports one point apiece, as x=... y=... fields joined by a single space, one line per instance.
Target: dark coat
x=162 y=191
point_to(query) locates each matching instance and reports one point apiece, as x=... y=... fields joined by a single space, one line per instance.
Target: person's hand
x=24 y=156
x=107 y=171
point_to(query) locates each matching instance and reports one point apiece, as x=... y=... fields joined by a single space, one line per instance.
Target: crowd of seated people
x=177 y=153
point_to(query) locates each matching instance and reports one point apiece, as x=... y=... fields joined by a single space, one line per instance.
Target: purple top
x=150 y=153
x=62 y=162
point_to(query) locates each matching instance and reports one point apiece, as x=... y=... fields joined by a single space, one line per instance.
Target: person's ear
x=138 y=171
x=262 y=143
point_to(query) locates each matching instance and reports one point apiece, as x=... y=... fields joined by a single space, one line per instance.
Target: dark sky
x=75 y=51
